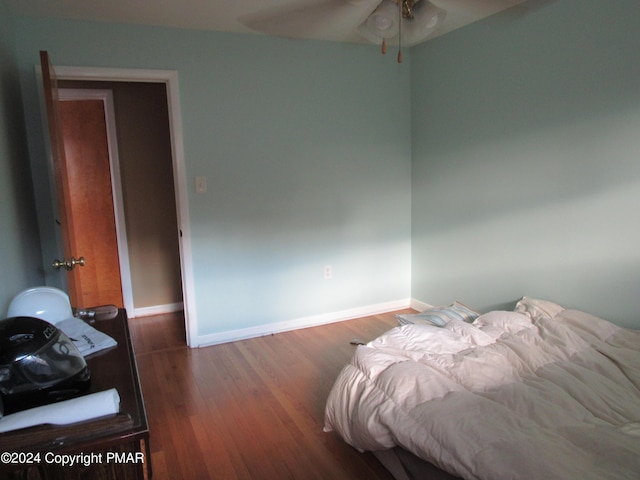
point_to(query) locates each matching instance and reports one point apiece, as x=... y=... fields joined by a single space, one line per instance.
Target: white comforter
x=513 y=395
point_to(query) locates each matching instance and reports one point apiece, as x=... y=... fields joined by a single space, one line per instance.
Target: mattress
x=539 y=392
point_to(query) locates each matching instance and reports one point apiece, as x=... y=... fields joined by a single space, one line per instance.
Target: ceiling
x=333 y=20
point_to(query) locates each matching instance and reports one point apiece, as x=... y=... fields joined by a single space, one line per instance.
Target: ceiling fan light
x=425 y=23
x=433 y=20
x=382 y=23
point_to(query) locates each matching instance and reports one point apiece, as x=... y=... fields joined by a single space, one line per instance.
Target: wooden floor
x=251 y=409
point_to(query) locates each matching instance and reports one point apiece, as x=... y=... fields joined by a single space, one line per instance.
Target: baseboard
x=419 y=305
x=157 y=309
x=305 y=322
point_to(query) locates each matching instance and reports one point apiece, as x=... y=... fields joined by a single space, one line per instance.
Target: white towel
x=84 y=336
x=78 y=409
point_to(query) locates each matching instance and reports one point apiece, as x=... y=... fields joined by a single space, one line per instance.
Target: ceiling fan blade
x=526 y=8
x=310 y=19
x=463 y=12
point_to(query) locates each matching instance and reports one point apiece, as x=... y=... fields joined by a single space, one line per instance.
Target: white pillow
x=537 y=309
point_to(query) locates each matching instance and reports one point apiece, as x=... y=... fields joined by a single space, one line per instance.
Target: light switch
x=201 y=184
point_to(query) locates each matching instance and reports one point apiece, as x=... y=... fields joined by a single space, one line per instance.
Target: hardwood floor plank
x=252 y=409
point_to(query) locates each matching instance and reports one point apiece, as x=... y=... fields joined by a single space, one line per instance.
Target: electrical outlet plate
x=328 y=272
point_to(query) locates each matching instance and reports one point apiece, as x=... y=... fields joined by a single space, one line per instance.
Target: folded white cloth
x=84 y=336
x=78 y=409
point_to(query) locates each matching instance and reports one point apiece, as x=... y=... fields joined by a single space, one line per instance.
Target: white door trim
x=106 y=96
x=170 y=79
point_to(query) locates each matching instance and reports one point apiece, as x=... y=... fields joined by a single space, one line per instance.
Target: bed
x=541 y=392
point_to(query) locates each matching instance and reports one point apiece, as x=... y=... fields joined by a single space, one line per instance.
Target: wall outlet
x=328 y=272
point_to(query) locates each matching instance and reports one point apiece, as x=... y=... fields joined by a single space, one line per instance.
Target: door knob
x=68 y=264
x=80 y=261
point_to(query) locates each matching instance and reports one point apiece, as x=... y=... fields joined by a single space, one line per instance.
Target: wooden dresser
x=116 y=446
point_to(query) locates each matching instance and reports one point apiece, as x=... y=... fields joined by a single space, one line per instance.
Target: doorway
x=169 y=83
x=143 y=181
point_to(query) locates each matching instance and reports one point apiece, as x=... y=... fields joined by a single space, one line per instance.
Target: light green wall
x=21 y=266
x=526 y=172
x=306 y=149
x=524 y=177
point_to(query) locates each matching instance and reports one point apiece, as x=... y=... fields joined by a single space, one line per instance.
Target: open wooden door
x=82 y=177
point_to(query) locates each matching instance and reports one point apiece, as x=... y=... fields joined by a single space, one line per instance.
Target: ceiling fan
x=401 y=21
x=395 y=22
